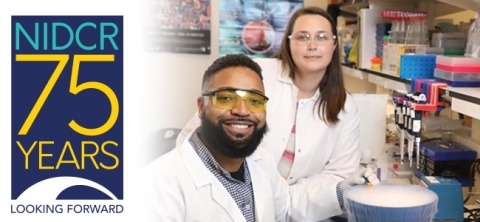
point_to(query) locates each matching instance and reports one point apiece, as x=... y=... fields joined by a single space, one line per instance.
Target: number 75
x=74 y=88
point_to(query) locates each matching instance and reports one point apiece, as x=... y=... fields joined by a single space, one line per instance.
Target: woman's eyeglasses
x=304 y=38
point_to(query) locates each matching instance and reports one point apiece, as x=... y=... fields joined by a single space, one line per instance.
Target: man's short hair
x=231 y=60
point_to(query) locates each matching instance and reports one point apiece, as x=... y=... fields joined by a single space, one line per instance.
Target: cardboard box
x=392 y=53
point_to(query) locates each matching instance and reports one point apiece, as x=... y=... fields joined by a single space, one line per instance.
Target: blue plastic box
x=415 y=66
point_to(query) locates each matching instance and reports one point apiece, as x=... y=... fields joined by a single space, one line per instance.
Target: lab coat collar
x=202 y=177
x=193 y=163
x=285 y=77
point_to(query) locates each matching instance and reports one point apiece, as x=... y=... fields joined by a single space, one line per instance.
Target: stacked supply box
x=458 y=71
x=381 y=36
x=447 y=158
x=453 y=43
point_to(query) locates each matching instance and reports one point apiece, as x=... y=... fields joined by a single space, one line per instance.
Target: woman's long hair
x=332 y=89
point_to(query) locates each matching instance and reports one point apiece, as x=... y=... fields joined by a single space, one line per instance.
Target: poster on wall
x=178 y=26
x=254 y=27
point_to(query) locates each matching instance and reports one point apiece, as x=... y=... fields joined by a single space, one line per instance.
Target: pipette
x=407 y=126
x=417 y=123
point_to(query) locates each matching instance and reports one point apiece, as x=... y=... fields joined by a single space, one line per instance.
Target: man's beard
x=217 y=138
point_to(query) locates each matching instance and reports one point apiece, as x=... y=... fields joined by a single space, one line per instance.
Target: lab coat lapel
x=223 y=198
x=204 y=179
x=259 y=184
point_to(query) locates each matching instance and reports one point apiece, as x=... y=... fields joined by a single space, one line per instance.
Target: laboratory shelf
x=378 y=78
x=440 y=7
x=473 y=5
x=464 y=100
x=388 y=81
x=471 y=94
x=353 y=7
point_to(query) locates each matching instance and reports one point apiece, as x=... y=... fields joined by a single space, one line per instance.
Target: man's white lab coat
x=178 y=187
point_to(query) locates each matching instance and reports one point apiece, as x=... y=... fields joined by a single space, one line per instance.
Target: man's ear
x=200 y=105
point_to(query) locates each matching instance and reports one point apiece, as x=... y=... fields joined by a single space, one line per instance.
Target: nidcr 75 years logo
x=67 y=107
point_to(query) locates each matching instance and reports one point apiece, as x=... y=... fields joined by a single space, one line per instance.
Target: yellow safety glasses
x=228 y=98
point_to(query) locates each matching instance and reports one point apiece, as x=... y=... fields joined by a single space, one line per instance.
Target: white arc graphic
x=50 y=188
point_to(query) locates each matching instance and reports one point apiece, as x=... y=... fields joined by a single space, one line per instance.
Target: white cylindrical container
x=390 y=202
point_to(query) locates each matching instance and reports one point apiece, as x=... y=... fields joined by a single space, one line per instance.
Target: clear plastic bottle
x=347 y=46
x=473 y=40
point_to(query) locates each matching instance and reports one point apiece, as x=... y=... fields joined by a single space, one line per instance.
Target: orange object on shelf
x=376 y=63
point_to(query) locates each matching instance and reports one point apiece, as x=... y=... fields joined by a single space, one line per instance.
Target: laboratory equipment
x=399 y=110
x=408 y=129
x=450 y=199
x=453 y=43
x=457 y=63
x=417 y=66
x=457 y=79
x=443 y=157
x=458 y=71
x=416 y=123
x=390 y=202
x=409 y=110
x=405 y=111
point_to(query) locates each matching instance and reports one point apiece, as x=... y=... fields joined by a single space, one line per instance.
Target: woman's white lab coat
x=324 y=155
x=330 y=152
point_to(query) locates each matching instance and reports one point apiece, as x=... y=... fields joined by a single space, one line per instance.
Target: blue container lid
x=447 y=151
